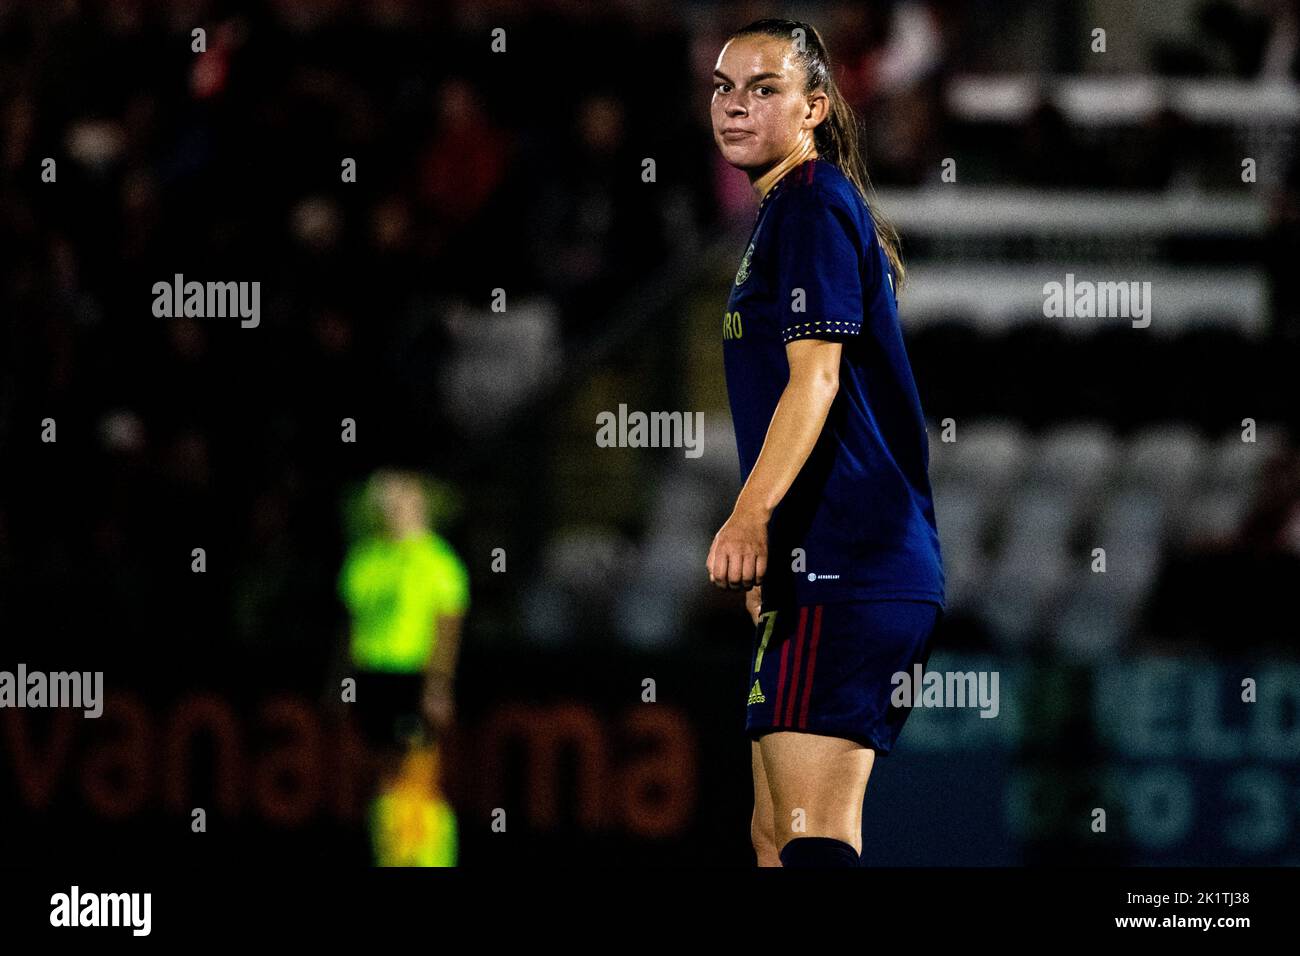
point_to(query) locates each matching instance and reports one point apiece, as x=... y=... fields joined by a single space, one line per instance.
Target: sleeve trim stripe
x=820 y=327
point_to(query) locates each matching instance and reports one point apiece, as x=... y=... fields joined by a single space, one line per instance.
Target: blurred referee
x=407 y=592
x=835 y=519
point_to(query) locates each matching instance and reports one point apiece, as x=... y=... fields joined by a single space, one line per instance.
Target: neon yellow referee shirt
x=396 y=591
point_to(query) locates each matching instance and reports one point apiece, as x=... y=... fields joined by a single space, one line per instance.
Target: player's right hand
x=738 y=556
x=754 y=602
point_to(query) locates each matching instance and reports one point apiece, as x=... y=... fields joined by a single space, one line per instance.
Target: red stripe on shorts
x=780 y=683
x=798 y=657
x=812 y=666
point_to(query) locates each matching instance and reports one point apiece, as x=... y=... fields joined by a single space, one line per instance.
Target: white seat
x=648 y=617
x=1039 y=517
x=1237 y=464
x=988 y=454
x=966 y=574
x=1131 y=570
x=548 y=613
x=586 y=559
x=1131 y=517
x=500 y=359
x=1078 y=456
x=1021 y=588
x=685 y=501
x=1211 y=515
x=1167 y=458
x=673 y=560
x=961 y=513
x=718 y=461
x=1092 y=621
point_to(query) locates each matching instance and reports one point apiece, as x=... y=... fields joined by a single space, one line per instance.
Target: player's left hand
x=738 y=558
x=754 y=603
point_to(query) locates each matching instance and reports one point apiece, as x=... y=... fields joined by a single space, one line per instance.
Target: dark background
x=521 y=171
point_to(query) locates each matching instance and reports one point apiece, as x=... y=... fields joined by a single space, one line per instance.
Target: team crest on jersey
x=743 y=274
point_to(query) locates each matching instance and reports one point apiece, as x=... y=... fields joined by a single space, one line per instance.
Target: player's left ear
x=819 y=106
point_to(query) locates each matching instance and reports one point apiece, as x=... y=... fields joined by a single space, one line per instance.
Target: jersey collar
x=803 y=170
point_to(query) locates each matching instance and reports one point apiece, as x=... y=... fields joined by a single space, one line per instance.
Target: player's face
x=401 y=502
x=759 y=109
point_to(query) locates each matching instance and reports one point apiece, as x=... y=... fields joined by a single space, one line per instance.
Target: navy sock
x=819 y=851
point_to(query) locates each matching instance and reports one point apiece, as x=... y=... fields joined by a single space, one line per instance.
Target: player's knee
x=766 y=853
x=763 y=835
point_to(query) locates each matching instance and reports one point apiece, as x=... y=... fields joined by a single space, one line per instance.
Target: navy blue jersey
x=861 y=508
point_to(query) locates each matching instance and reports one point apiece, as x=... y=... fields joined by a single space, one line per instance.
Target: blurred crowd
x=476 y=170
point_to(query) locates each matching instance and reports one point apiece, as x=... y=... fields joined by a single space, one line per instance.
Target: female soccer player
x=833 y=452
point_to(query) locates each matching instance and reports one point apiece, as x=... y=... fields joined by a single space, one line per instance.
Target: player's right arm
x=738 y=557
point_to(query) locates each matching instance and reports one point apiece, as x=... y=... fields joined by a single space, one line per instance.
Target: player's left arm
x=738 y=557
x=448 y=621
x=446 y=652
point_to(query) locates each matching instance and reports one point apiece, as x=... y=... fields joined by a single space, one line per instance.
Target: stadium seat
x=1078 y=456
x=1040 y=518
x=1022 y=586
x=962 y=512
x=1167 y=458
x=1212 y=515
x=990 y=454
x=1132 y=516
x=1091 y=622
x=1235 y=463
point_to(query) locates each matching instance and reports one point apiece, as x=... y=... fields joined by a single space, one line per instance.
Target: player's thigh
x=761 y=829
x=817 y=785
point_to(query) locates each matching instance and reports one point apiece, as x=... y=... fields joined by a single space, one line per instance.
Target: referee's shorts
x=828 y=668
x=387 y=710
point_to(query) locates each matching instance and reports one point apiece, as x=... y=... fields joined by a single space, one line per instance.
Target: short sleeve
x=819 y=283
x=353 y=578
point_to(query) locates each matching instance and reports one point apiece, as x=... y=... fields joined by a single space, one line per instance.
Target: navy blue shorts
x=827 y=669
